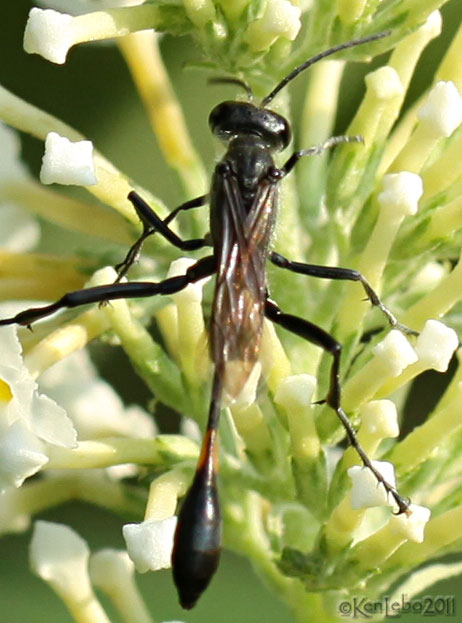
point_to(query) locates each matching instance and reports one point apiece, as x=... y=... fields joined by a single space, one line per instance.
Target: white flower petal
x=366 y=490
x=91 y=403
x=77 y=7
x=13 y=517
x=49 y=34
x=139 y=423
x=380 y=418
x=22 y=454
x=428 y=277
x=281 y=18
x=65 y=162
x=401 y=192
x=110 y=568
x=99 y=412
x=411 y=524
x=19 y=231
x=436 y=345
x=11 y=166
x=190 y=429
x=60 y=557
x=119 y=472
x=296 y=391
x=41 y=415
x=395 y=353
x=150 y=543
x=384 y=83
x=442 y=110
x=248 y=392
x=193 y=292
x=50 y=422
x=12 y=368
x=433 y=24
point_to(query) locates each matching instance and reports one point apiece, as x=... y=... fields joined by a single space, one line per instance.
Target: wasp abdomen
x=197 y=546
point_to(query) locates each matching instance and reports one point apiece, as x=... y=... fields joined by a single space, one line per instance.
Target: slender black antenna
x=230 y=80
x=314 y=59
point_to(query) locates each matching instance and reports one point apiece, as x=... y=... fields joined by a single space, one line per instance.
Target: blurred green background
x=93 y=92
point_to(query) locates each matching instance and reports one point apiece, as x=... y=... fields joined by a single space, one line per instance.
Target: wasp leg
x=99 y=294
x=318 y=149
x=324 y=340
x=348 y=274
x=152 y=223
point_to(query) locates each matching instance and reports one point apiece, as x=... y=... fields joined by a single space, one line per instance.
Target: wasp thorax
x=231 y=119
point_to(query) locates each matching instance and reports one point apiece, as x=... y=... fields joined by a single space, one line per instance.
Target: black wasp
x=243 y=202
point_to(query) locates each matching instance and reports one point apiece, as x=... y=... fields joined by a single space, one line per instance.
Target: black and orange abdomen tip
x=197 y=544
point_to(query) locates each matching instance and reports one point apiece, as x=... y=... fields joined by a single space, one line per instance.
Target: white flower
x=384 y=83
x=19 y=231
x=411 y=524
x=296 y=391
x=150 y=543
x=49 y=34
x=112 y=571
x=436 y=345
x=22 y=400
x=11 y=165
x=110 y=568
x=401 y=193
x=28 y=419
x=366 y=490
x=92 y=404
x=67 y=162
x=77 y=7
x=280 y=19
x=14 y=517
x=193 y=291
x=394 y=353
x=248 y=392
x=190 y=429
x=379 y=418
x=22 y=454
x=60 y=557
x=442 y=110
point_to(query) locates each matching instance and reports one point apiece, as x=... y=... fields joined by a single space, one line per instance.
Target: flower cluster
x=314 y=523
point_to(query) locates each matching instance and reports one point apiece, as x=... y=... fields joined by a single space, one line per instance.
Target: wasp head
x=232 y=119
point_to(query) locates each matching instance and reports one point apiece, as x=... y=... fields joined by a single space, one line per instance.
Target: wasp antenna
x=314 y=59
x=229 y=80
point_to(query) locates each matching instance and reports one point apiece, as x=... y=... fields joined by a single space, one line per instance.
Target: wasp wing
x=240 y=292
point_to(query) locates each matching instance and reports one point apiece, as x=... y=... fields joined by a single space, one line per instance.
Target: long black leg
x=199 y=270
x=197 y=542
x=318 y=149
x=321 y=338
x=152 y=223
x=197 y=202
x=348 y=274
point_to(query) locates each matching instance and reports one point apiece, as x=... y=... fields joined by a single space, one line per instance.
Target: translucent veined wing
x=237 y=318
